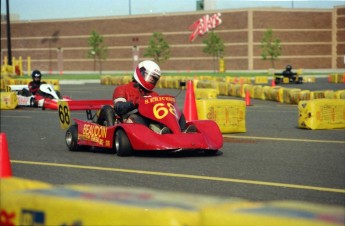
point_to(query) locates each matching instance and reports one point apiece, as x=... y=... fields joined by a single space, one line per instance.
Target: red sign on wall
x=204 y=25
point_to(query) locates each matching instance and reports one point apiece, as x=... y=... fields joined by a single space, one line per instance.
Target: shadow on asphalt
x=157 y=154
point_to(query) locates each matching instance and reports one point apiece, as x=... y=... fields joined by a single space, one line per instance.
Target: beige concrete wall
x=311 y=39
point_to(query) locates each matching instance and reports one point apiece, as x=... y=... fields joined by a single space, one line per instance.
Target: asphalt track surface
x=273 y=160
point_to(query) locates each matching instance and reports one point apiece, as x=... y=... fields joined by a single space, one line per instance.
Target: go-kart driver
x=34 y=88
x=126 y=97
x=288 y=73
x=35 y=84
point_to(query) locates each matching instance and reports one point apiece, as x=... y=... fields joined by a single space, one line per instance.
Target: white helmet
x=147 y=74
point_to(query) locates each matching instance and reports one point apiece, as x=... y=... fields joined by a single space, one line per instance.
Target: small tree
x=98 y=51
x=271 y=48
x=214 y=47
x=158 y=48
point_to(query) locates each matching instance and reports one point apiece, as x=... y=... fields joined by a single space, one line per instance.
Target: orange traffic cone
x=248 y=98
x=5 y=165
x=189 y=110
x=273 y=83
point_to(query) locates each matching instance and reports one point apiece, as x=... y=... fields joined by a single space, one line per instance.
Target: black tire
x=183 y=123
x=106 y=116
x=211 y=152
x=32 y=102
x=121 y=143
x=25 y=92
x=277 y=80
x=58 y=93
x=71 y=139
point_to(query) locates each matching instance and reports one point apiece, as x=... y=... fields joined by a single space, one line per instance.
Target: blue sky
x=59 y=9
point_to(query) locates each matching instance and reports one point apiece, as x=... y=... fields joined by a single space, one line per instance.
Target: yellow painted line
x=188 y=176
x=286 y=139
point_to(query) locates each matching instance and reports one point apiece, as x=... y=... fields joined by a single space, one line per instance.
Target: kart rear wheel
x=71 y=139
x=107 y=116
x=211 y=152
x=122 y=145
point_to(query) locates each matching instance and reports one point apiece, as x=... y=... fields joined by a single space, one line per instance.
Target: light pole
x=93 y=53
x=9 y=48
x=135 y=51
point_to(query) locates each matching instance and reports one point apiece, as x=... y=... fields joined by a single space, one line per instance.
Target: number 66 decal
x=160 y=110
x=64 y=114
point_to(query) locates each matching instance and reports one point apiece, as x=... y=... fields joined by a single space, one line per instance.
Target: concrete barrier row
x=224 y=88
x=336 y=78
x=26 y=202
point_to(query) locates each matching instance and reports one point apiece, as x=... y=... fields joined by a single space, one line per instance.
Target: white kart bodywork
x=29 y=101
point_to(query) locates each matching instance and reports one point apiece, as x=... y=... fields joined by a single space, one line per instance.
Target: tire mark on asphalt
x=187 y=176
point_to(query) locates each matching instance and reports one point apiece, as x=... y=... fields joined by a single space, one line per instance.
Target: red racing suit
x=35 y=86
x=126 y=97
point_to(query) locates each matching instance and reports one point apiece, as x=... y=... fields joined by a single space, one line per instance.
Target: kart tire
x=32 y=102
x=121 y=143
x=277 y=80
x=107 y=116
x=211 y=152
x=58 y=93
x=71 y=139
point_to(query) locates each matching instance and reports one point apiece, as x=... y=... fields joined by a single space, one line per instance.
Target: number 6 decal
x=160 y=110
x=64 y=114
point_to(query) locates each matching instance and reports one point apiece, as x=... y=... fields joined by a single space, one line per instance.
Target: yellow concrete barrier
x=339 y=94
x=172 y=83
x=307 y=79
x=258 y=93
x=28 y=202
x=105 y=80
x=206 y=84
x=288 y=95
x=305 y=95
x=322 y=114
x=222 y=88
x=230 y=115
x=274 y=93
x=261 y=80
x=336 y=78
x=96 y=205
x=291 y=213
x=205 y=93
x=9 y=100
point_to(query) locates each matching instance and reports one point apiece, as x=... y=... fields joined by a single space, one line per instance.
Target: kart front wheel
x=71 y=139
x=278 y=80
x=122 y=145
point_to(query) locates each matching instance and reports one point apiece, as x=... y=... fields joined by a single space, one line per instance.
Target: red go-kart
x=126 y=138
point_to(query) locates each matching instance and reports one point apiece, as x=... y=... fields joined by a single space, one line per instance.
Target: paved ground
x=273 y=160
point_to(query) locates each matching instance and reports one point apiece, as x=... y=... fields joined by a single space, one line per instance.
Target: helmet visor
x=151 y=77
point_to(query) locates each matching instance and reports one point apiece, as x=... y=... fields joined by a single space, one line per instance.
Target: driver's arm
x=33 y=88
x=122 y=107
